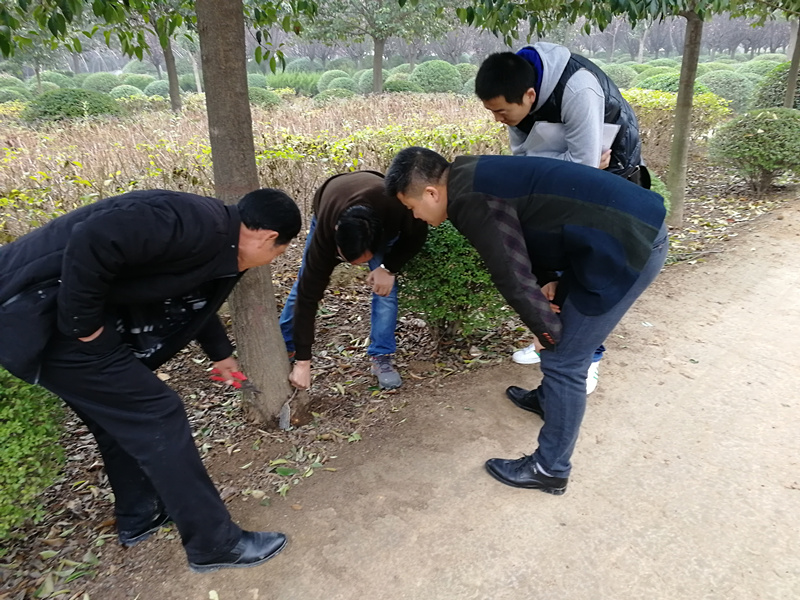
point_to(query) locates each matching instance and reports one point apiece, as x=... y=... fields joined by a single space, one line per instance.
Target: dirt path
x=686 y=482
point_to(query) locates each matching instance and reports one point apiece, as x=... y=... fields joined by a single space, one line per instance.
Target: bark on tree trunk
x=262 y=354
x=642 y=43
x=792 y=37
x=791 y=84
x=676 y=177
x=377 y=65
x=172 y=77
x=198 y=81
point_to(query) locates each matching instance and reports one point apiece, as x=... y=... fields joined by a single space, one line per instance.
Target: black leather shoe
x=131 y=538
x=254 y=548
x=525 y=399
x=524 y=473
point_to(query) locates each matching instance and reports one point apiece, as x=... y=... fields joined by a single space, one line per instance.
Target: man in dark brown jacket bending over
x=354 y=221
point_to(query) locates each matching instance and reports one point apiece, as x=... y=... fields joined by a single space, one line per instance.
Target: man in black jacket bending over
x=568 y=246
x=92 y=302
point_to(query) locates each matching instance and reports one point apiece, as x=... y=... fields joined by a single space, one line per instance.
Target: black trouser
x=144 y=437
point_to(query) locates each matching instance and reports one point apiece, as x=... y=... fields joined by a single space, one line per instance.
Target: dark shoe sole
x=215 y=567
x=555 y=491
x=523 y=407
x=130 y=542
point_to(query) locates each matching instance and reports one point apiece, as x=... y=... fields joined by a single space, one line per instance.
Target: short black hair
x=271 y=209
x=504 y=74
x=358 y=230
x=412 y=167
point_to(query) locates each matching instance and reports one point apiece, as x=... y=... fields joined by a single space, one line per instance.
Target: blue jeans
x=562 y=393
x=384 y=309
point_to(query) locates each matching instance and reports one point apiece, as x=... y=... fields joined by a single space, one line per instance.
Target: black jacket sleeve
x=492 y=226
x=213 y=338
x=412 y=237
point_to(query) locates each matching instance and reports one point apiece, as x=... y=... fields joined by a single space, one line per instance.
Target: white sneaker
x=526 y=356
x=592 y=377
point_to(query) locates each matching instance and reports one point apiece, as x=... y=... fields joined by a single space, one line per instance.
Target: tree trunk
x=76 y=62
x=262 y=354
x=642 y=42
x=377 y=65
x=172 y=77
x=792 y=37
x=676 y=177
x=198 y=81
x=791 y=84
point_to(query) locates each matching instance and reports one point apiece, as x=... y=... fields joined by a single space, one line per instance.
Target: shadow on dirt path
x=686 y=482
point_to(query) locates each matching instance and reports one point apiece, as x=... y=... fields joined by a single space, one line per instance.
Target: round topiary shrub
x=159 y=87
x=772 y=89
x=669 y=82
x=404 y=68
x=342 y=64
x=188 y=83
x=10 y=81
x=702 y=69
x=30 y=455
x=664 y=62
x=10 y=94
x=760 y=145
x=10 y=68
x=59 y=79
x=733 y=86
x=329 y=96
x=139 y=67
x=467 y=71
x=257 y=80
x=401 y=85
x=263 y=97
x=651 y=72
x=125 y=91
x=622 y=75
x=773 y=57
x=719 y=66
x=101 y=82
x=468 y=89
x=759 y=67
x=639 y=67
x=756 y=79
x=139 y=81
x=365 y=80
x=70 y=103
x=302 y=65
x=343 y=83
x=437 y=76
x=329 y=76
x=41 y=88
x=78 y=79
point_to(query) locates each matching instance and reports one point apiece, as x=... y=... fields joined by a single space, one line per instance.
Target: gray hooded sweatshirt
x=582 y=111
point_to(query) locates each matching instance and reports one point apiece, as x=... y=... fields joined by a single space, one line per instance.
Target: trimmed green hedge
x=101 y=82
x=125 y=91
x=760 y=145
x=30 y=455
x=263 y=97
x=437 y=76
x=159 y=87
x=448 y=284
x=770 y=92
x=70 y=103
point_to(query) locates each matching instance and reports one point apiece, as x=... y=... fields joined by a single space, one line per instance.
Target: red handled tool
x=240 y=380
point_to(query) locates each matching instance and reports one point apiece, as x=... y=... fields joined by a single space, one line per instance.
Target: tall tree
x=378 y=20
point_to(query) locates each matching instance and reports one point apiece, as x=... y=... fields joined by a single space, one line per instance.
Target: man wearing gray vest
x=560 y=105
